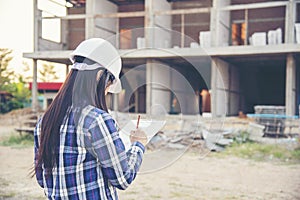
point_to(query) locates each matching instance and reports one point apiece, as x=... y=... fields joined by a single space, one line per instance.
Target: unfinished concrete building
x=252 y=45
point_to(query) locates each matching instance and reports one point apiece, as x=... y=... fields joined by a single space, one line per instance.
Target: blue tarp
x=273 y=116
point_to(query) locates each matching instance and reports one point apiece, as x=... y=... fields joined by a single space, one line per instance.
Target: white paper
x=149 y=127
x=259 y=39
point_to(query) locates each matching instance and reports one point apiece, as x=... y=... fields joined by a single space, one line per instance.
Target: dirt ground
x=190 y=177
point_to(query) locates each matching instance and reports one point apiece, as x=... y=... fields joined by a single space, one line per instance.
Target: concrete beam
x=230 y=51
x=46 y=55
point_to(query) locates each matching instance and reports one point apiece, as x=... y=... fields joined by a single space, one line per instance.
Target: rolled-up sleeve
x=119 y=167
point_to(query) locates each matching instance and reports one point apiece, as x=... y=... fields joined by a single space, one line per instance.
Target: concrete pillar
x=290 y=87
x=67 y=70
x=219 y=87
x=235 y=104
x=104 y=27
x=37 y=32
x=34 y=89
x=225 y=91
x=290 y=18
x=160 y=84
x=220 y=23
x=35 y=25
x=149 y=69
x=156 y=34
x=162 y=24
x=213 y=26
x=89 y=20
x=149 y=23
x=64 y=33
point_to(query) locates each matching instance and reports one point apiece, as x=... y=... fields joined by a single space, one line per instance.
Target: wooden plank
x=182 y=31
x=191 y=24
x=182 y=11
x=73 y=16
x=26 y=130
x=254 y=6
x=121 y=15
x=246 y=27
x=275 y=19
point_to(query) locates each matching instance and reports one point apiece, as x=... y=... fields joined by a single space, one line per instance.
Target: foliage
x=47 y=73
x=242 y=137
x=17 y=92
x=18 y=140
x=20 y=91
x=25 y=77
x=244 y=147
x=20 y=96
x=5 y=73
x=256 y=151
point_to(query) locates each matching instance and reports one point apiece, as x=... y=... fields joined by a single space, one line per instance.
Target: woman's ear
x=107 y=87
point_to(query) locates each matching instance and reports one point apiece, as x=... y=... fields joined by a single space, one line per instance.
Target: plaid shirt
x=91 y=159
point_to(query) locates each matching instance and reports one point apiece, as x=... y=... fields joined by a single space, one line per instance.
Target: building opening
x=262 y=83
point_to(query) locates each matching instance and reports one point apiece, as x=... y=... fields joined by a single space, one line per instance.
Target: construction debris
x=190 y=134
x=215 y=140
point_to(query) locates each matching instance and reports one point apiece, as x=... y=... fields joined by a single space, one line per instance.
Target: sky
x=16 y=22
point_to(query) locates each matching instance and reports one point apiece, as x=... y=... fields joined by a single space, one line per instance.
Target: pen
x=138 y=121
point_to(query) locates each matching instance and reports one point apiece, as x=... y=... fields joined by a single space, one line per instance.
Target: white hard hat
x=103 y=53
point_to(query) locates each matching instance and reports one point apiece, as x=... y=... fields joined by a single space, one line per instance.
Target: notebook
x=150 y=127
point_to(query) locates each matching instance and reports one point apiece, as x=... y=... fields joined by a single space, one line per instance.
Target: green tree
x=21 y=93
x=15 y=90
x=47 y=73
x=25 y=77
x=19 y=97
x=6 y=75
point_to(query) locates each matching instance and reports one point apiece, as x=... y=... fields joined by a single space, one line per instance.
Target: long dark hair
x=54 y=115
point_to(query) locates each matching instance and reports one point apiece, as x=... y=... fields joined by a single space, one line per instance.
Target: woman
x=78 y=152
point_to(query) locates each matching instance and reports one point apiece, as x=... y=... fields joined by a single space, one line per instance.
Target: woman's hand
x=138 y=135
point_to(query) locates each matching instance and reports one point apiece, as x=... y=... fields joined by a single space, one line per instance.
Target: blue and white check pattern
x=91 y=159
